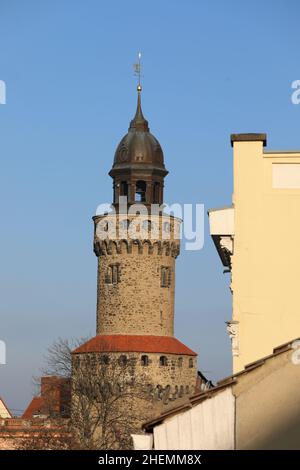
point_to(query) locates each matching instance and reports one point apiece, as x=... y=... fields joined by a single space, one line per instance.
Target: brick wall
x=15 y=431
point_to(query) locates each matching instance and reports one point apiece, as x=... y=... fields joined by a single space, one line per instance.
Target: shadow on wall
x=285 y=436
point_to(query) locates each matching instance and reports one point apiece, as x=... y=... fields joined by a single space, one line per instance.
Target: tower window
x=166 y=279
x=144 y=360
x=147 y=225
x=191 y=363
x=180 y=361
x=166 y=227
x=124 y=188
x=163 y=361
x=113 y=274
x=104 y=359
x=123 y=360
x=140 y=191
x=124 y=224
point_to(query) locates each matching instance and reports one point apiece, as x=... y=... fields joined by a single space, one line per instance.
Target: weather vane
x=137 y=71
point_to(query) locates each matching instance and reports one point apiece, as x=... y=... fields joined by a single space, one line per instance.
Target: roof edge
x=249 y=137
x=135 y=343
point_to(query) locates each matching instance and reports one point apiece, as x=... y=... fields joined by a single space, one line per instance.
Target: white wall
x=209 y=425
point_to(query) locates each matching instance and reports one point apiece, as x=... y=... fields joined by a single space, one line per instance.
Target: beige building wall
x=266 y=258
x=4 y=412
x=257 y=240
x=268 y=405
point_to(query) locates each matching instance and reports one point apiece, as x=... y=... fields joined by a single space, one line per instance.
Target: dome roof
x=139 y=147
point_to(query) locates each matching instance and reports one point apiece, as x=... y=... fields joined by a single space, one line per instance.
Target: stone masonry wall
x=163 y=384
x=137 y=303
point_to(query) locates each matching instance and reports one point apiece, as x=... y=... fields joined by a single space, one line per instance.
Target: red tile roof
x=34 y=408
x=135 y=343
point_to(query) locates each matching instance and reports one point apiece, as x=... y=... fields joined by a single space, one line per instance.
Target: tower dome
x=138 y=169
x=139 y=146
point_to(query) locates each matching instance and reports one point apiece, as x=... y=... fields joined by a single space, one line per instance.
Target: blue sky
x=210 y=68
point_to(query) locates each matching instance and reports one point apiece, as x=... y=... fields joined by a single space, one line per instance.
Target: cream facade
x=257 y=239
x=4 y=411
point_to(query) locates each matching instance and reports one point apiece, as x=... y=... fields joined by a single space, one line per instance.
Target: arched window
x=180 y=361
x=163 y=361
x=117 y=389
x=140 y=191
x=123 y=360
x=166 y=227
x=165 y=278
x=124 y=224
x=158 y=392
x=124 y=188
x=147 y=225
x=191 y=363
x=113 y=274
x=145 y=360
x=104 y=359
x=156 y=191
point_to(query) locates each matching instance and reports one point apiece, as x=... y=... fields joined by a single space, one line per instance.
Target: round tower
x=136 y=276
x=137 y=245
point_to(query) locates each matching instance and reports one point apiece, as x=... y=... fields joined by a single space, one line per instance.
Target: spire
x=139 y=123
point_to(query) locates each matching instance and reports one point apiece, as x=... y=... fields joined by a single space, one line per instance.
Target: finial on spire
x=139 y=123
x=137 y=71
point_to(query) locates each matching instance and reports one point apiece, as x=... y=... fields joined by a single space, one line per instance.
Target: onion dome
x=139 y=146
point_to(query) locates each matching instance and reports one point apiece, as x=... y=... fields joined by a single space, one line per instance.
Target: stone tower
x=137 y=245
